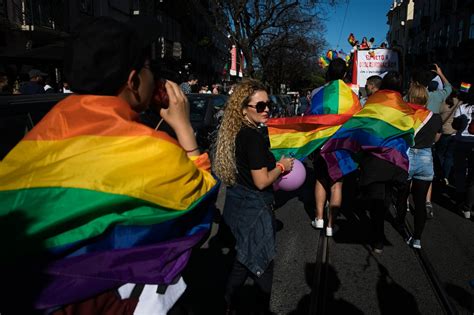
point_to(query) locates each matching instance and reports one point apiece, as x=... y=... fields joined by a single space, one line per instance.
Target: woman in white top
x=463 y=153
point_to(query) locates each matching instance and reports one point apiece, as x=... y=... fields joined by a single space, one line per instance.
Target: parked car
x=206 y=110
x=18 y=115
x=205 y=113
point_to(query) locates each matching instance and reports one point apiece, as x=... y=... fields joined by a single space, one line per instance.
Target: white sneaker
x=328 y=231
x=467 y=214
x=317 y=223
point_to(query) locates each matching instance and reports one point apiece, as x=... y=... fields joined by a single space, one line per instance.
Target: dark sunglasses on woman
x=260 y=106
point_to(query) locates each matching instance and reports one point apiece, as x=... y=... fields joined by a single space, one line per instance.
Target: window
x=459 y=33
x=3 y=8
x=448 y=37
x=86 y=6
x=471 y=27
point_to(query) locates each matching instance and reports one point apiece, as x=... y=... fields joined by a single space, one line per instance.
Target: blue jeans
x=421 y=164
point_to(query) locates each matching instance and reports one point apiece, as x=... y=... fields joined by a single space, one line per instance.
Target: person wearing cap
x=92 y=144
x=34 y=86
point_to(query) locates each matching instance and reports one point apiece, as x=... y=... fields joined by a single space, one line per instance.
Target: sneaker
x=429 y=210
x=416 y=244
x=467 y=214
x=378 y=248
x=317 y=223
x=329 y=231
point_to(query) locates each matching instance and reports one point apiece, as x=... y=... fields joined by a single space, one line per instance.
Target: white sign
x=375 y=62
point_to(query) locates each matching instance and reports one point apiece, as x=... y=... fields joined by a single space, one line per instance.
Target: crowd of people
x=389 y=141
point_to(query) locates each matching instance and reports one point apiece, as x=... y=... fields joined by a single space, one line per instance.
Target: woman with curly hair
x=245 y=164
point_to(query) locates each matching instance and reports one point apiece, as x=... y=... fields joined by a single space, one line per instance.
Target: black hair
x=423 y=76
x=375 y=80
x=392 y=81
x=336 y=70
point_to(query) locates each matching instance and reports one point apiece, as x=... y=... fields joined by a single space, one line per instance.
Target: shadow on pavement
x=461 y=296
x=206 y=275
x=393 y=298
x=333 y=305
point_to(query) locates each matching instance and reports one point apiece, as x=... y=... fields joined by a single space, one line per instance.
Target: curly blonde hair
x=224 y=161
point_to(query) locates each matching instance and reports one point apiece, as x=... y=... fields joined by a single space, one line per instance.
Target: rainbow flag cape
x=330 y=107
x=385 y=128
x=105 y=199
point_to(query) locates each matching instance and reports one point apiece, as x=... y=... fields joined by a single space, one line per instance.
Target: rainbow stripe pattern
x=330 y=107
x=465 y=87
x=385 y=128
x=108 y=205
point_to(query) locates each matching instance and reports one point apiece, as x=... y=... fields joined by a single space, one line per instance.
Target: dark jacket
x=249 y=215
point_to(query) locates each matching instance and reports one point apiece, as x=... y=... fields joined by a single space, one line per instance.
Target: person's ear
x=133 y=81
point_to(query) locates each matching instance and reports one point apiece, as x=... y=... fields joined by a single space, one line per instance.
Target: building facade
x=435 y=31
x=33 y=33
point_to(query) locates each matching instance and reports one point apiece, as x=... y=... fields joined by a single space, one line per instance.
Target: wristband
x=281 y=167
x=189 y=151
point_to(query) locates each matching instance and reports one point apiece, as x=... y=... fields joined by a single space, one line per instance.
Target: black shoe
x=429 y=210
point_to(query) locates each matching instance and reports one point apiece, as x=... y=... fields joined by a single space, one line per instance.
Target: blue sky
x=364 y=18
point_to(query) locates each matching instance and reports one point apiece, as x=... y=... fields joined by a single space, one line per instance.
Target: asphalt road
x=359 y=282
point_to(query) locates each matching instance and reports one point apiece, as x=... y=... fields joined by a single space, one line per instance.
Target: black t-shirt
x=426 y=136
x=251 y=153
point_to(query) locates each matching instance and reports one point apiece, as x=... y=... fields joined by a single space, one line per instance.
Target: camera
x=160 y=96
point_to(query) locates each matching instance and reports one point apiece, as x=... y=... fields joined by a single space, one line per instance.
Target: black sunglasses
x=260 y=106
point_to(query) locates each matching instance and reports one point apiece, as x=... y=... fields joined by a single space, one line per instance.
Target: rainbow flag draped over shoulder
x=385 y=128
x=107 y=199
x=331 y=106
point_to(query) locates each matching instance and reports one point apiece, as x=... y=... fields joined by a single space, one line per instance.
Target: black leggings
x=419 y=189
x=237 y=278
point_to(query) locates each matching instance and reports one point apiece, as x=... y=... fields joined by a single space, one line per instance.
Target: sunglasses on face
x=260 y=106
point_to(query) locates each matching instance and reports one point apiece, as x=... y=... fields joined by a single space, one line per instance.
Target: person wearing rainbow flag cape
x=97 y=201
x=377 y=139
x=331 y=105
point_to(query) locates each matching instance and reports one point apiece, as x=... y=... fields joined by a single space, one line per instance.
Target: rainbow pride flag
x=331 y=106
x=323 y=62
x=351 y=39
x=385 y=128
x=465 y=87
x=108 y=200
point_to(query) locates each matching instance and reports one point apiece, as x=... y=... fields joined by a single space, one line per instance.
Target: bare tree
x=251 y=23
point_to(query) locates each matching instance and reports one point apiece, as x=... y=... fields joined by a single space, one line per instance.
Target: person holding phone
x=246 y=166
x=94 y=183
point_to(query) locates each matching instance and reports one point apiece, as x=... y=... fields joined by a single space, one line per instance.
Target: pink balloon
x=292 y=180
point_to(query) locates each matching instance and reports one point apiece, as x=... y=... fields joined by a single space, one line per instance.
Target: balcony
x=30 y=15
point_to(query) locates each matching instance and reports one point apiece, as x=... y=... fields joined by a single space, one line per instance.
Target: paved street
x=358 y=282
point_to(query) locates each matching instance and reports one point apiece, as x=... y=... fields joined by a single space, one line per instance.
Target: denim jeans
x=421 y=164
